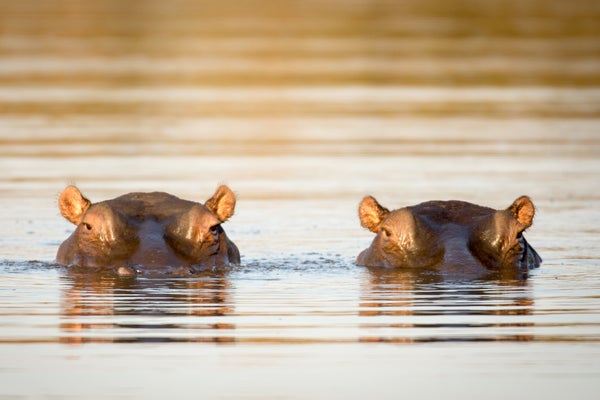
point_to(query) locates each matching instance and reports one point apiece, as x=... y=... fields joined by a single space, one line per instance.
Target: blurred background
x=302 y=108
x=300 y=101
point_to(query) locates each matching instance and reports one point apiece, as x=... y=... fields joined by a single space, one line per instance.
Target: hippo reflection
x=155 y=232
x=99 y=308
x=419 y=306
x=459 y=238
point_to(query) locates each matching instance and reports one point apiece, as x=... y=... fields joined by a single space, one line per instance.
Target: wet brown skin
x=140 y=233
x=461 y=239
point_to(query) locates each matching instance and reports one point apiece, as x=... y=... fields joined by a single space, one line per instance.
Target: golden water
x=302 y=108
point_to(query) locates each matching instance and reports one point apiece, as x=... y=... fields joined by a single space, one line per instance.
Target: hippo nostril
x=129 y=270
x=125 y=271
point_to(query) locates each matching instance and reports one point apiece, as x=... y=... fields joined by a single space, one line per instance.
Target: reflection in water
x=305 y=107
x=97 y=307
x=406 y=306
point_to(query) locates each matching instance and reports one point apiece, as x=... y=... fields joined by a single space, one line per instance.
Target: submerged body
x=141 y=232
x=459 y=238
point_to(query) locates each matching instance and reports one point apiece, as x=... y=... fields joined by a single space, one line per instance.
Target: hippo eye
x=214 y=230
x=386 y=232
x=87 y=226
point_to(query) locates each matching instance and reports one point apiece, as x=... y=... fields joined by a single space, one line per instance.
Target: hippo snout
x=157 y=270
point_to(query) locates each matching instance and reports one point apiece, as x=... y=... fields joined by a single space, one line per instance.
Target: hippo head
x=453 y=236
x=140 y=232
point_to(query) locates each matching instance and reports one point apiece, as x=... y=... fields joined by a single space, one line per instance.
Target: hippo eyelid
x=87 y=226
x=214 y=230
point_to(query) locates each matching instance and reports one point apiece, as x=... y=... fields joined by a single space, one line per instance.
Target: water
x=302 y=109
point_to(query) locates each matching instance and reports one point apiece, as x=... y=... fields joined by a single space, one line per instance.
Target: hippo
x=148 y=232
x=459 y=238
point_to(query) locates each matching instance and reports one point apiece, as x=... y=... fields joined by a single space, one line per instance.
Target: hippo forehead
x=451 y=212
x=157 y=206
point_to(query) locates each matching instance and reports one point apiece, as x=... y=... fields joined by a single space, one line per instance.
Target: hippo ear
x=72 y=204
x=523 y=210
x=222 y=204
x=371 y=214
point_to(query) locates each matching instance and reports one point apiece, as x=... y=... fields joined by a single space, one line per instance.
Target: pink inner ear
x=523 y=210
x=371 y=214
x=73 y=204
x=222 y=204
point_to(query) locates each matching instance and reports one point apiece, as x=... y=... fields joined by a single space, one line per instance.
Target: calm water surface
x=302 y=108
